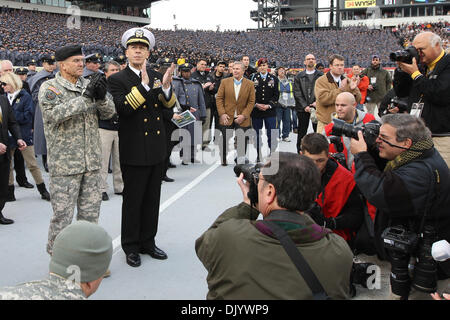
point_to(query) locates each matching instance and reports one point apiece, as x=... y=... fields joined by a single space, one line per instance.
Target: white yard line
x=174 y=198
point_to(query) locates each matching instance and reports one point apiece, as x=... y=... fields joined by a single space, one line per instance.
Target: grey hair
x=408 y=127
x=240 y=63
x=109 y=63
x=435 y=39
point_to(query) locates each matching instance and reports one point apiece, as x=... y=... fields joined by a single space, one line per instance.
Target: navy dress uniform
x=94 y=58
x=189 y=93
x=142 y=148
x=267 y=92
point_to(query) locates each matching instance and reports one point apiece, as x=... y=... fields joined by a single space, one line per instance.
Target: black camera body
x=405 y=55
x=251 y=174
x=399 y=239
x=339 y=155
x=400 y=104
x=401 y=244
x=370 y=131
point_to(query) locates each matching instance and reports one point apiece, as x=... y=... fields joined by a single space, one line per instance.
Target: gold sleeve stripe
x=131 y=101
x=167 y=104
x=138 y=96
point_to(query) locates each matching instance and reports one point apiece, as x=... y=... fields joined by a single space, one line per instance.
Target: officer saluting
x=93 y=63
x=140 y=95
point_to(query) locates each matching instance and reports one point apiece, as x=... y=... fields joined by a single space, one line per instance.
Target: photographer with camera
x=380 y=83
x=71 y=106
x=346 y=111
x=423 y=75
x=243 y=256
x=338 y=206
x=393 y=104
x=412 y=200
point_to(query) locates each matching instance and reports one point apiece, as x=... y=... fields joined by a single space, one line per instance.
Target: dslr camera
x=405 y=55
x=396 y=102
x=251 y=174
x=370 y=131
x=402 y=244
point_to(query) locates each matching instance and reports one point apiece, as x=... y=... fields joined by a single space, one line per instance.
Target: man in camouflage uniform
x=70 y=105
x=73 y=276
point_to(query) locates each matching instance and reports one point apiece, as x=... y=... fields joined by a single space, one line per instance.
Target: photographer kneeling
x=412 y=197
x=243 y=256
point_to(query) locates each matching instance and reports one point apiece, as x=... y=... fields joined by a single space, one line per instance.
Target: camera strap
x=434 y=182
x=299 y=261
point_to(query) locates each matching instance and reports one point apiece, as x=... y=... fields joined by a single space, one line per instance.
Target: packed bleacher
x=26 y=35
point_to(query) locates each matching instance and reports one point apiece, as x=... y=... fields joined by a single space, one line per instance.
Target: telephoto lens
x=400 y=280
x=425 y=271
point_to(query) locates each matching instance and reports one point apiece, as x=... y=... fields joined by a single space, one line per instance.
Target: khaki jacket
x=326 y=91
x=244 y=263
x=226 y=99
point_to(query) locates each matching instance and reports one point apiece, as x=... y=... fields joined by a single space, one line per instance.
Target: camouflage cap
x=84 y=245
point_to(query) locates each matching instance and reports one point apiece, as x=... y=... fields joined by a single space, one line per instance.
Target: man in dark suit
x=140 y=95
x=7 y=123
x=305 y=100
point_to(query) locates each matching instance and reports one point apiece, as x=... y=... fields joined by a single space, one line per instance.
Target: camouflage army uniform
x=53 y=288
x=74 y=151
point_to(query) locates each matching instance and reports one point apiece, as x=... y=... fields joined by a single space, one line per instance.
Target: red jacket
x=335 y=196
x=362 y=86
x=367 y=118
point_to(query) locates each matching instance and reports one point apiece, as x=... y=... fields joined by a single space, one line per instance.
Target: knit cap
x=82 y=245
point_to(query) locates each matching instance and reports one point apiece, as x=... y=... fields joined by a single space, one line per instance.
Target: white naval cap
x=138 y=35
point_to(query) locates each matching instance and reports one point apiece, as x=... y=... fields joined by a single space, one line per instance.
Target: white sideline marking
x=171 y=200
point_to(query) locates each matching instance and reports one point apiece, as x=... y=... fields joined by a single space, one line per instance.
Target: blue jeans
x=294 y=118
x=271 y=124
x=284 y=115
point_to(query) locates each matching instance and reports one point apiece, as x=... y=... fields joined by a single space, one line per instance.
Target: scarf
x=301 y=229
x=413 y=153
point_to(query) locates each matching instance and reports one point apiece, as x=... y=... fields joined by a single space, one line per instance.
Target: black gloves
x=97 y=87
x=317 y=215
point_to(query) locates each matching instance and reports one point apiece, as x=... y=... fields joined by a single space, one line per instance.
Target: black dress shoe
x=105 y=196
x=224 y=163
x=4 y=220
x=167 y=179
x=26 y=184
x=133 y=259
x=155 y=253
x=119 y=193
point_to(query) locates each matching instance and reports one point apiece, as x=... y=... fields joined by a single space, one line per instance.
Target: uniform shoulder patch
x=51 y=93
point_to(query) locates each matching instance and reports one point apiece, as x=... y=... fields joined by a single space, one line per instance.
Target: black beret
x=67 y=52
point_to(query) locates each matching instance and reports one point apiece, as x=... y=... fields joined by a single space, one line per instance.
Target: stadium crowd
x=26 y=35
x=244 y=99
